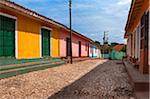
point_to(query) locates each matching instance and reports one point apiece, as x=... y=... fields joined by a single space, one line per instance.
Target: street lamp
x=70 y=16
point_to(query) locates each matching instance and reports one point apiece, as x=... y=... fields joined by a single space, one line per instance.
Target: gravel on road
x=106 y=81
x=44 y=83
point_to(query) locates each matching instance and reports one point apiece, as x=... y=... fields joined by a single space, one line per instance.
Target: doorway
x=68 y=47
x=45 y=42
x=79 y=48
x=7 y=36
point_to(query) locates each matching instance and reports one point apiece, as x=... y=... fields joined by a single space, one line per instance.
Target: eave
x=25 y=11
x=134 y=12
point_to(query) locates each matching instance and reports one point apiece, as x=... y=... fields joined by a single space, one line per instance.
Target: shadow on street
x=106 y=81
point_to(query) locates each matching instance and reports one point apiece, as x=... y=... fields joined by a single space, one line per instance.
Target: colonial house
x=25 y=34
x=137 y=34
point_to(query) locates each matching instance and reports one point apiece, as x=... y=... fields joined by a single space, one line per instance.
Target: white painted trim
x=16 y=32
x=51 y=43
x=16 y=39
x=44 y=27
x=147 y=10
x=7 y=15
x=40 y=42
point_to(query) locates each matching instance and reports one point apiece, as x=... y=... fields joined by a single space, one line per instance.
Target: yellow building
x=27 y=34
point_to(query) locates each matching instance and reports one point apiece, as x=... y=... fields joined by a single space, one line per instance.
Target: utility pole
x=70 y=20
x=105 y=38
x=105 y=42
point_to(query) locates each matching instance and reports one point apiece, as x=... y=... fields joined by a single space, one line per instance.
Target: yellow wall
x=55 y=43
x=29 y=37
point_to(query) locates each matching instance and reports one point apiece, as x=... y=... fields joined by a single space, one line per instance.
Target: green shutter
x=7 y=36
x=45 y=42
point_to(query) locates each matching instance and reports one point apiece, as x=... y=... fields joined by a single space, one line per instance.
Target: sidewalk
x=140 y=82
x=16 y=67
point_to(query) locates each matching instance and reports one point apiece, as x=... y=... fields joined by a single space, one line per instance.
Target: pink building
x=80 y=44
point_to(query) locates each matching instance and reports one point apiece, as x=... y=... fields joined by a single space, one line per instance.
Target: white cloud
x=82 y=6
x=124 y=2
x=90 y=17
x=118 y=9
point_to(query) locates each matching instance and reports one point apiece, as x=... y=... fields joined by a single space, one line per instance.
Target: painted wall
x=91 y=51
x=63 y=34
x=129 y=46
x=143 y=68
x=132 y=38
x=28 y=37
x=132 y=29
x=94 y=52
x=99 y=53
x=55 y=41
x=75 y=45
x=138 y=18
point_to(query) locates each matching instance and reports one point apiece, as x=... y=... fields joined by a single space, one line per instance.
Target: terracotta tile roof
x=118 y=47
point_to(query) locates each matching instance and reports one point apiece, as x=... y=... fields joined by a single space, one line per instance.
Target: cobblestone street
x=74 y=49
x=107 y=81
x=42 y=84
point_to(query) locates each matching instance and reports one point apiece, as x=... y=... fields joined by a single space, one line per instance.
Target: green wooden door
x=45 y=42
x=7 y=36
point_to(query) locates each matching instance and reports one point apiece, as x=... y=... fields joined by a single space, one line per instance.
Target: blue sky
x=89 y=17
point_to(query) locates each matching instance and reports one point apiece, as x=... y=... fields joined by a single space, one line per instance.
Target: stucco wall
x=75 y=45
x=94 y=52
x=55 y=47
x=28 y=38
x=138 y=18
x=90 y=51
x=28 y=44
x=143 y=57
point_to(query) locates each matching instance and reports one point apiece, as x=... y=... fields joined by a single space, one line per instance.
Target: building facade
x=137 y=34
x=26 y=34
x=94 y=51
x=80 y=44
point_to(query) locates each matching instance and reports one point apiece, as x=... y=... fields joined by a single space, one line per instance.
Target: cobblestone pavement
x=42 y=84
x=106 y=81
